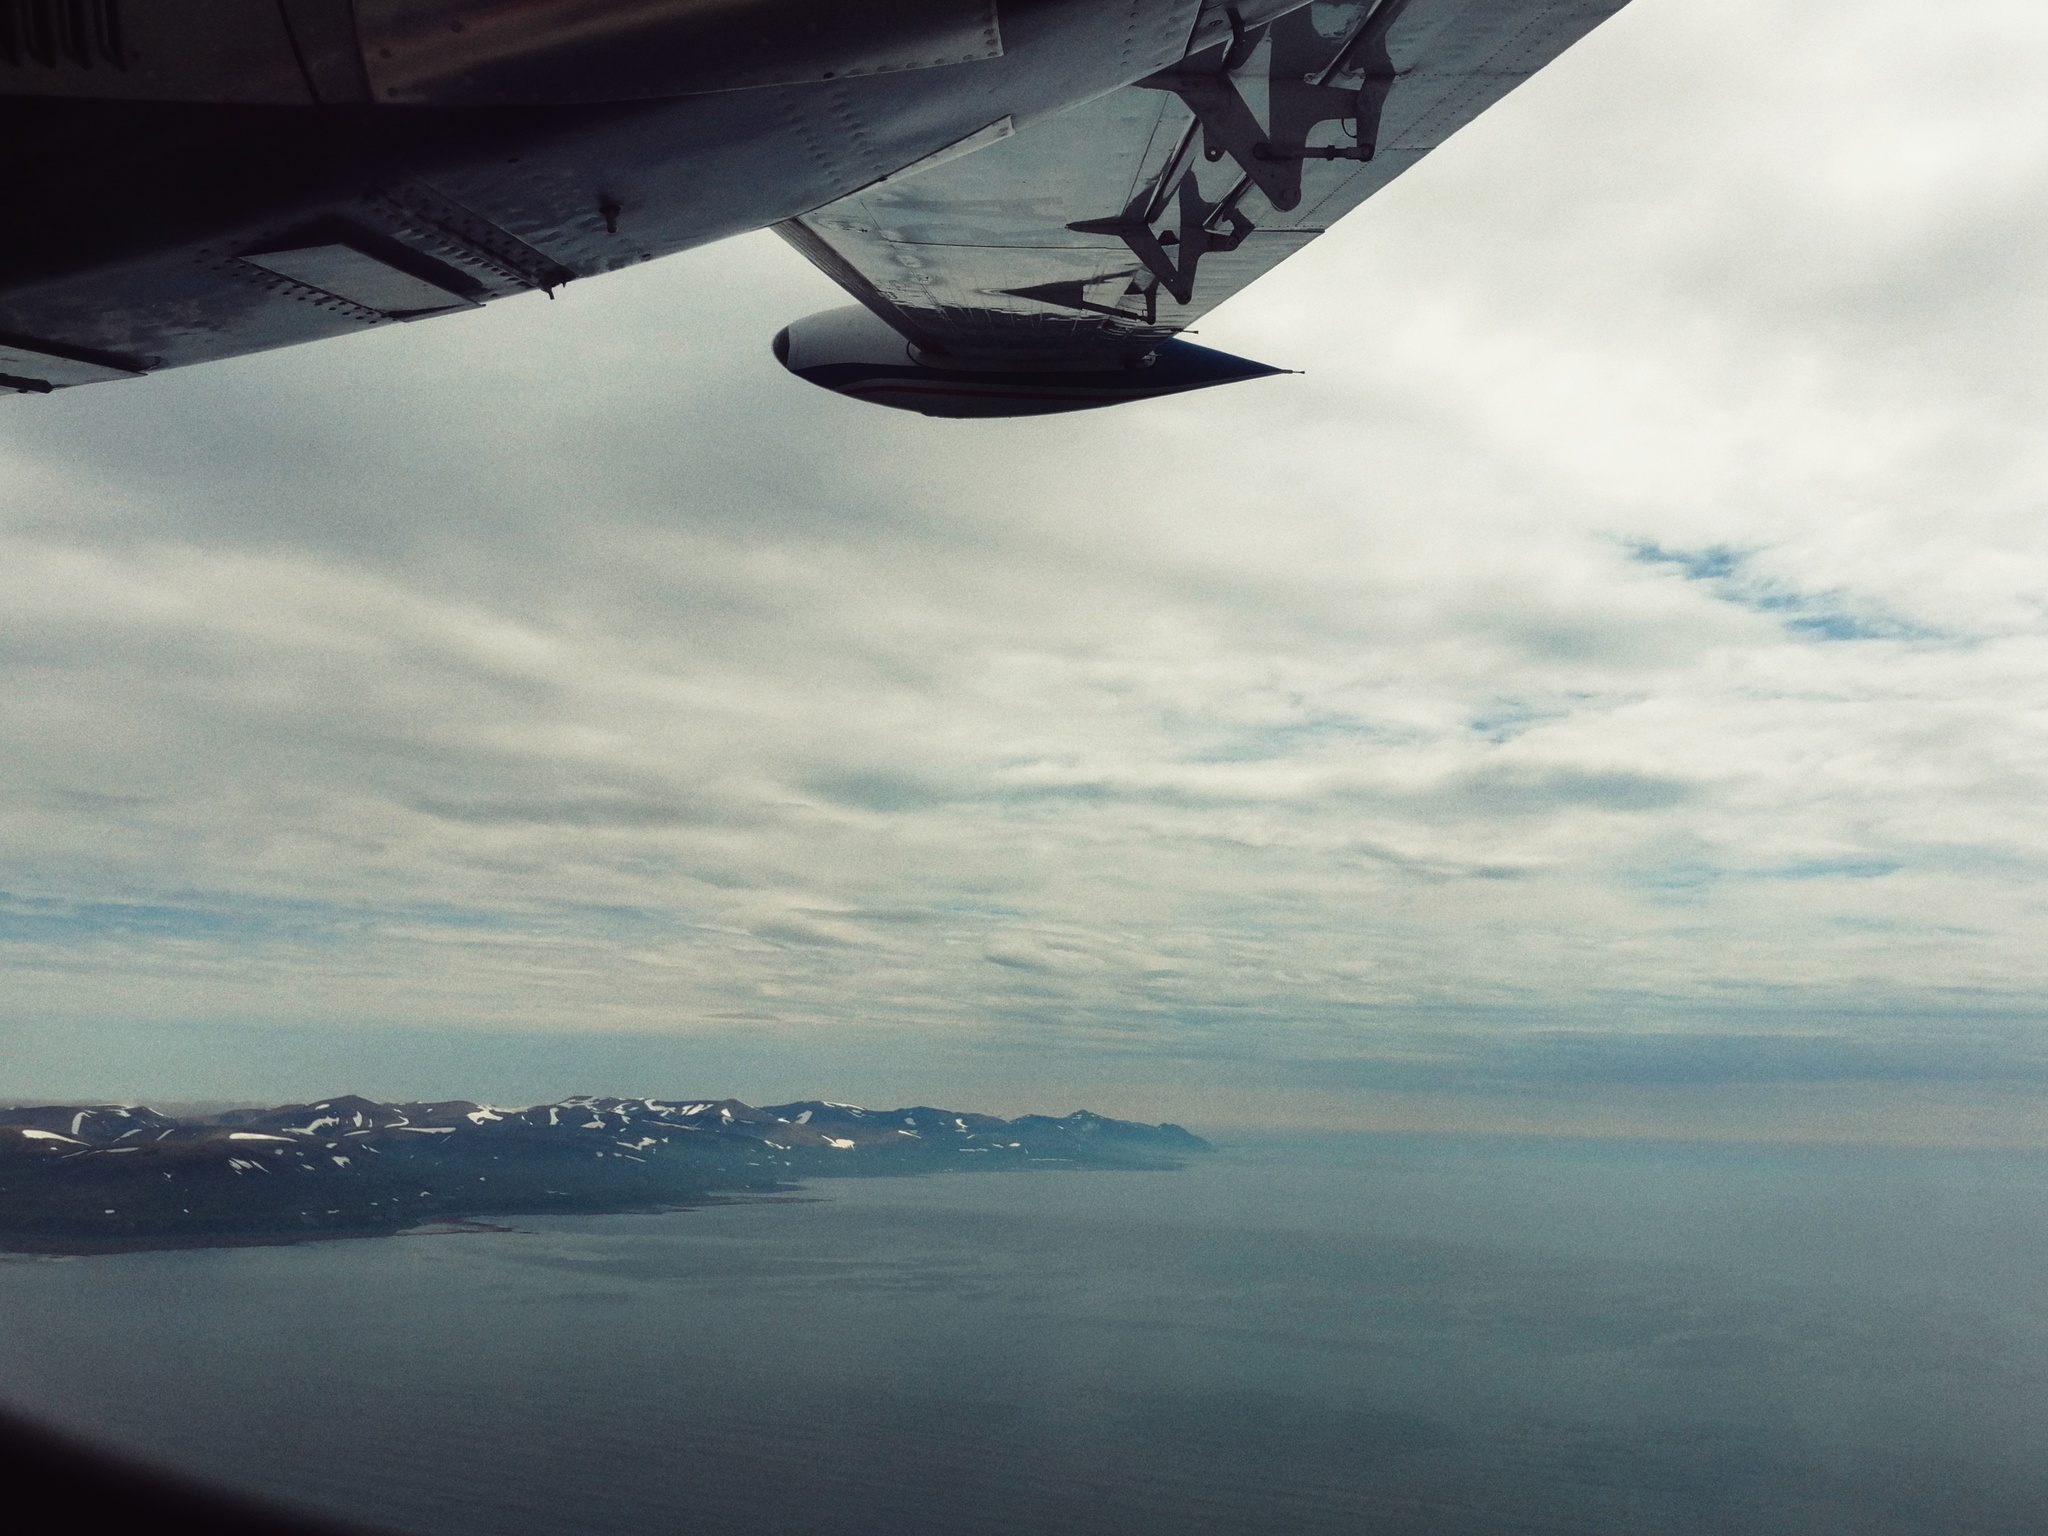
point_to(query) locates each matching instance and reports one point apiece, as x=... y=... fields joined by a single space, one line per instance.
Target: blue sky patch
x=1833 y=615
x=1272 y=743
x=1832 y=869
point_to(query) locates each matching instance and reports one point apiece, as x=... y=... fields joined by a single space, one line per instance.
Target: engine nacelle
x=853 y=352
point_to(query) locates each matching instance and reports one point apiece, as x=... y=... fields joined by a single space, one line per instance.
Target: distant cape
x=83 y=1178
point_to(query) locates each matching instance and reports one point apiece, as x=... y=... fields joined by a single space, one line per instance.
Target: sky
x=1605 y=691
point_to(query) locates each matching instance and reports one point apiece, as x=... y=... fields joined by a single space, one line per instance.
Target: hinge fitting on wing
x=1272 y=160
x=1300 y=97
x=1193 y=240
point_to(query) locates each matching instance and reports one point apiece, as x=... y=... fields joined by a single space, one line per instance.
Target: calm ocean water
x=1357 y=1335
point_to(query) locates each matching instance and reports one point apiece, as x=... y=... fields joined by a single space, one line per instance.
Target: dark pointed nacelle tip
x=853 y=352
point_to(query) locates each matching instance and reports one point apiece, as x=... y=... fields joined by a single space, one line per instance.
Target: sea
x=1294 y=1335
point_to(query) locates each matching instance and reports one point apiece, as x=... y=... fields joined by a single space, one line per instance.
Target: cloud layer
x=1633 y=620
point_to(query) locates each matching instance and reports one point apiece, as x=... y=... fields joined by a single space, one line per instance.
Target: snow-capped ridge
x=352 y=1163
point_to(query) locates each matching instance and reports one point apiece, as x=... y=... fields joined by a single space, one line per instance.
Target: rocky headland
x=99 y=1177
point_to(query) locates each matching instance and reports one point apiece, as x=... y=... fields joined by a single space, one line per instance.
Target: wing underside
x=1096 y=235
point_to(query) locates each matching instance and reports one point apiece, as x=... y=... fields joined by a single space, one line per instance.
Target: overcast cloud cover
x=1616 y=674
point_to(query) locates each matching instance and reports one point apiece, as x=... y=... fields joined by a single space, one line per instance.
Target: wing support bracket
x=1272 y=161
x=1192 y=241
x=1300 y=97
x=1299 y=68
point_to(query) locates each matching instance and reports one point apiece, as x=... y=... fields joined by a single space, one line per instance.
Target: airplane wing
x=1030 y=198
x=1070 y=254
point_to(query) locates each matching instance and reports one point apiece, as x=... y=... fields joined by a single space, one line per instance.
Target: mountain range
x=80 y=1177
